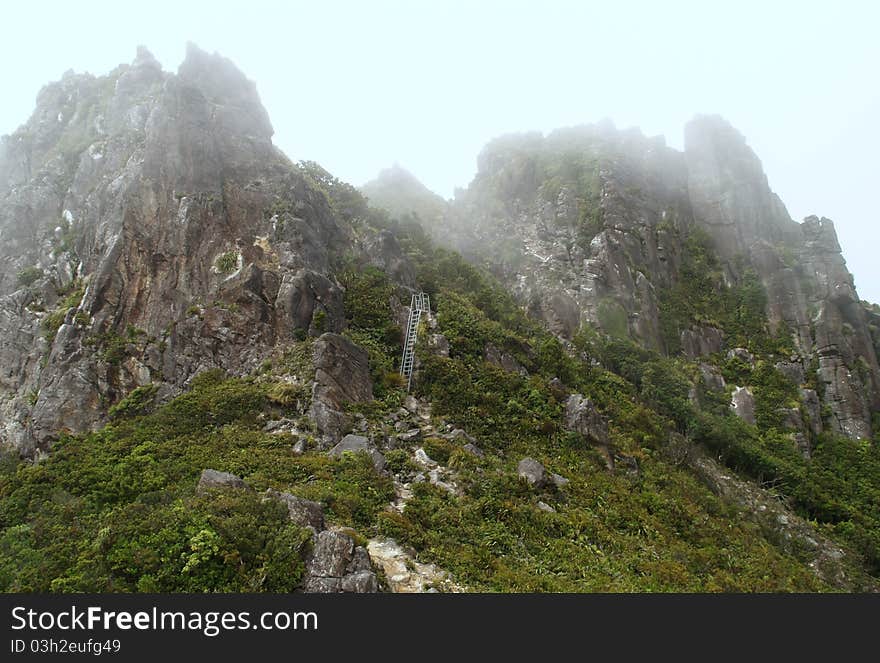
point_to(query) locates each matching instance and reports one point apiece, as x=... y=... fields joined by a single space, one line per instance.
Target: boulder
x=533 y=472
x=342 y=375
x=742 y=402
x=331 y=554
x=559 y=481
x=360 y=582
x=301 y=511
x=582 y=416
x=356 y=444
x=336 y=564
x=215 y=479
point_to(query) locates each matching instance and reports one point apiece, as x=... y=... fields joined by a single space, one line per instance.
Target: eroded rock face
x=809 y=289
x=337 y=564
x=588 y=225
x=342 y=375
x=701 y=342
x=156 y=202
x=303 y=512
x=309 y=302
x=742 y=404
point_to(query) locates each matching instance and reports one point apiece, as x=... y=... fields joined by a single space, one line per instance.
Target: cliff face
x=809 y=288
x=149 y=229
x=590 y=225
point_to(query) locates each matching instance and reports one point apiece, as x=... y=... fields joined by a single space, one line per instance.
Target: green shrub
x=138 y=402
x=53 y=321
x=29 y=275
x=438 y=449
x=226 y=263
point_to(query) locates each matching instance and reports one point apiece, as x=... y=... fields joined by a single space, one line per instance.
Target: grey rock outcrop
x=701 y=342
x=301 y=511
x=600 y=240
x=800 y=266
x=211 y=479
x=504 y=360
x=342 y=375
x=712 y=378
x=534 y=473
x=813 y=410
x=792 y=370
x=742 y=403
x=159 y=200
x=336 y=564
x=581 y=416
x=310 y=302
x=359 y=444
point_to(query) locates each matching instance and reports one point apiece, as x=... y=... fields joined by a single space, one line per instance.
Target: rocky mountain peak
x=400 y=192
x=728 y=189
x=222 y=83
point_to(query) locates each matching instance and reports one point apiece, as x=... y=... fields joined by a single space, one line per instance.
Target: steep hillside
x=637 y=375
x=398 y=191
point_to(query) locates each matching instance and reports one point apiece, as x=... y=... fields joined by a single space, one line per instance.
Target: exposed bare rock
x=404 y=573
x=562 y=315
x=309 y=302
x=712 y=378
x=303 y=512
x=162 y=197
x=358 y=444
x=813 y=410
x=581 y=416
x=534 y=473
x=701 y=342
x=336 y=564
x=792 y=370
x=438 y=344
x=342 y=375
x=216 y=479
x=742 y=403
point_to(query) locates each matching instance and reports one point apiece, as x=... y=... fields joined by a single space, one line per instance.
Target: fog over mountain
x=357 y=86
x=232 y=360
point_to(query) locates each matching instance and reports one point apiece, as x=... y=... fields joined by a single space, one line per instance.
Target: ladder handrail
x=420 y=303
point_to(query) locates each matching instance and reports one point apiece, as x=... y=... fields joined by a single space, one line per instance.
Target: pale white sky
x=357 y=86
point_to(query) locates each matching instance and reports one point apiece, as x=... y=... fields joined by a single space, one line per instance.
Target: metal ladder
x=420 y=303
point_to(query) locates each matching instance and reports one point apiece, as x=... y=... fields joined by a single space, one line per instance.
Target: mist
x=357 y=86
